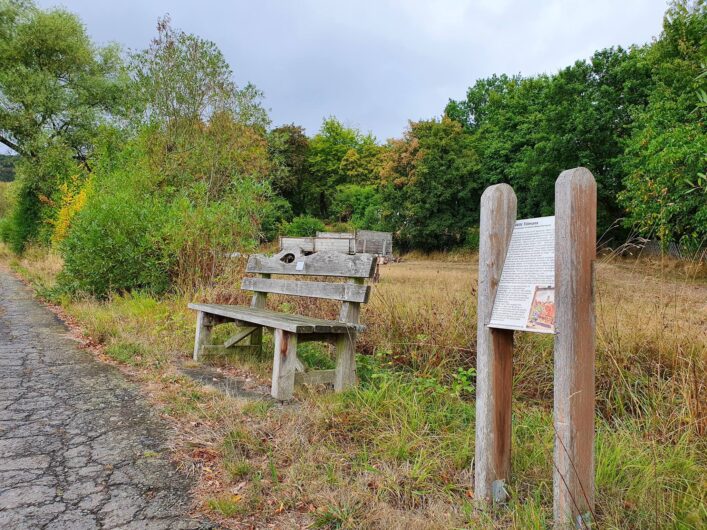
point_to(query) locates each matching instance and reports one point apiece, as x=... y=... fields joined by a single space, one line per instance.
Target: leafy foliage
x=54 y=82
x=117 y=243
x=7 y=168
x=56 y=88
x=431 y=185
x=358 y=204
x=303 y=226
x=337 y=155
x=182 y=77
x=289 y=149
x=665 y=191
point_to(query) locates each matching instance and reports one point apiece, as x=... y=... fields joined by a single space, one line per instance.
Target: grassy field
x=397 y=452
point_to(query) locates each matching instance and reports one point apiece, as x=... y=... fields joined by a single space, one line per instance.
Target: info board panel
x=525 y=299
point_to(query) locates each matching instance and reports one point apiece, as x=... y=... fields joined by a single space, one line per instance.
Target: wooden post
x=494 y=350
x=284 y=364
x=575 y=244
x=346 y=344
x=204 y=323
x=259 y=301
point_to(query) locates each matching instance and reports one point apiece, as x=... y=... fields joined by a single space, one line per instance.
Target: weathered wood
x=345 y=362
x=304 y=243
x=320 y=337
x=373 y=242
x=320 y=264
x=319 y=244
x=238 y=337
x=575 y=251
x=323 y=244
x=283 y=373
x=346 y=345
x=336 y=235
x=275 y=320
x=258 y=301
x=332 y=291
x=204 y=323
x=494 y=349
x=315 y=377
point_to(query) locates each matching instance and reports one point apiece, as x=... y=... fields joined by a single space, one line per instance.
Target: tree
x=55 y=84
x=289 y=148
x=56 y=89
x=527 y=130
x=181 y=77
x=338 y=155
x=430 y=185
x=665 y=195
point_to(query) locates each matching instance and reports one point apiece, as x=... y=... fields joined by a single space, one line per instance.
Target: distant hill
x=7 y=167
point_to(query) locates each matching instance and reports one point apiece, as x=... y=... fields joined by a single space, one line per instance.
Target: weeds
x=398 y=450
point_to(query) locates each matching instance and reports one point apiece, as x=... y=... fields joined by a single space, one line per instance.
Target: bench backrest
x=352 y=294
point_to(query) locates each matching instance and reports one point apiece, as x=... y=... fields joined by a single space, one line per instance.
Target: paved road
x=79 y=447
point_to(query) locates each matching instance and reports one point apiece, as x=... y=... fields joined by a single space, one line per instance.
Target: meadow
x=398 y=450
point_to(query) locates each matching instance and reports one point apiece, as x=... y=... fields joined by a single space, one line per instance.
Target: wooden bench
x=290 y=329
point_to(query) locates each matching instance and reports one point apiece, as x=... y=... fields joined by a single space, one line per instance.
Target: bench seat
x=277 y=320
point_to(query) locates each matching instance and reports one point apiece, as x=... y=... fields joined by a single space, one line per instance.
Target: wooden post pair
x=574 y=391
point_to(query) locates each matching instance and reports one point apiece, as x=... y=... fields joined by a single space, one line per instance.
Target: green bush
x=303 y=226
x=472 y=239
x=276 y=212
x=116 y=243
x=357 y=204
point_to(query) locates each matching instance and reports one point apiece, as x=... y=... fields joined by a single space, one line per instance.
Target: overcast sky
x=375 y=64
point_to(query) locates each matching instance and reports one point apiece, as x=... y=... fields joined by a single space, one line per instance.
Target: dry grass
x=397 y=451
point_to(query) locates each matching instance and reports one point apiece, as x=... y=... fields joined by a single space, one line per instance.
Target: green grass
x=126 y=353
x=228 y=506
x=398 y=450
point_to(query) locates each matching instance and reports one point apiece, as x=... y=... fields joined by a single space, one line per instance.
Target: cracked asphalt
x=80 y=448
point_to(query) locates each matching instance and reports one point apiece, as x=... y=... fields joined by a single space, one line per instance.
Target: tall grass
x=397 y=452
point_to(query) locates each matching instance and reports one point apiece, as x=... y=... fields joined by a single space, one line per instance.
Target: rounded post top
x=498 y=192
x=580 y=176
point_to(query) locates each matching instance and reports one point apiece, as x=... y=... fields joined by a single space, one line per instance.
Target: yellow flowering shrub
x=73 y=199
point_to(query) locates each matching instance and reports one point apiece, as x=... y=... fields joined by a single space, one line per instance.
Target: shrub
x=116 y=243
x=203 y=234
x=276 y=213
x=352 y=202
x=303 y=226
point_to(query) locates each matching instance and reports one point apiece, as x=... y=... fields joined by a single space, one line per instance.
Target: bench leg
x=345 y=362
x=283 y=370
x=256 y=339
x=204 y=323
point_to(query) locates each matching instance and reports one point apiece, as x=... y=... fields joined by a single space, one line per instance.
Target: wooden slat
x=333 y=291
x=275 y=320
x=575 y=251
x=336 y=235
x=318 y=264
x=315 y=377
x=305 y=243
x=494 y=350
x=324 y=244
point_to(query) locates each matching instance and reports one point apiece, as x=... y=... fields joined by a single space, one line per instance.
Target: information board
x=525 y=299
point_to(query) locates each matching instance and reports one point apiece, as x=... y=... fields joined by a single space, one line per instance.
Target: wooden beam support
x=284 y=365
x=575 y=251
x=235 y=339
x=204 y=323
x=494 y=350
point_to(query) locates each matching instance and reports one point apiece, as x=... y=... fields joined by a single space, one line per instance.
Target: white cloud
x=377 y=64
